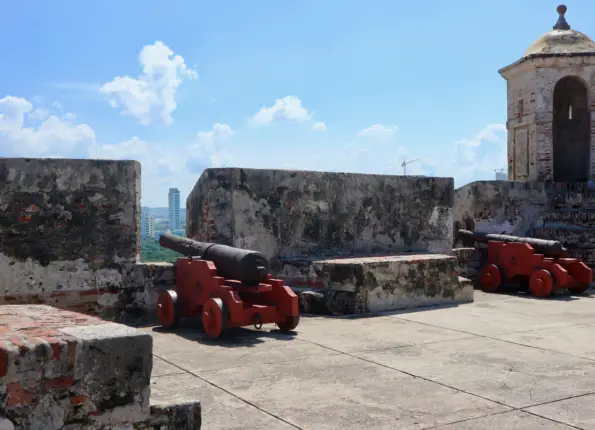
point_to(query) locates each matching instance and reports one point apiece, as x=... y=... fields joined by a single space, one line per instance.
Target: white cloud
x=319 y=126
x=133 y=149
x=208 y=140
x=475 y=158
x=152 y=96
x=209 y=149
x=288 y=108
x=54 y=134
x=378 y=131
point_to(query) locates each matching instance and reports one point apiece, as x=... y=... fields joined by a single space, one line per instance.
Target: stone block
x=288 y=214
x=180 y=416
x=68 y=231
x=60 y=367
x=376 y=284
x=131 y=301
x=468 y=263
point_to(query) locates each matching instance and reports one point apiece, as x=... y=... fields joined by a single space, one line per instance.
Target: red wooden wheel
x=491 y=278
x=168 y=309
x=214 y=317
x=541 y=283
x=579 y=289
x=289 y=324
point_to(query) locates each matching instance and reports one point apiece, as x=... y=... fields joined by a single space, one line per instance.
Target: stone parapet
x=290 y=214
x=468 y=263
x=131 y=300
x=376 y=284
x=62 y=369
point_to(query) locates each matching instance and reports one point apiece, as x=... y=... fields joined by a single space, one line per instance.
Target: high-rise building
x=147 y=228
x=501 y=175
x=173 y=203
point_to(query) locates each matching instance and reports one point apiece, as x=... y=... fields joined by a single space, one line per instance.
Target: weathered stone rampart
x=69 y=236
x=62 y=369
x=547 y=210
x=287 y=214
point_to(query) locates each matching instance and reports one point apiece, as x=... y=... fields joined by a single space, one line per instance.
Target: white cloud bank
x=29 y=132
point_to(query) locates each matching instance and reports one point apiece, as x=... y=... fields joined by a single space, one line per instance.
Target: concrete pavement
x=503 y=362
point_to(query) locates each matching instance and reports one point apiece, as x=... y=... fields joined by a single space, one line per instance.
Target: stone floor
x=503 y=362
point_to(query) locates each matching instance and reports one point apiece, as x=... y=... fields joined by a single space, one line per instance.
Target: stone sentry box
x=551 y=108
x=287 y=213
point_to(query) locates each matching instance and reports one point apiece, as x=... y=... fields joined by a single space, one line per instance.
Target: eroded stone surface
x=286 y=213
x=62 y=369
x=555 y=211
x=375 y=284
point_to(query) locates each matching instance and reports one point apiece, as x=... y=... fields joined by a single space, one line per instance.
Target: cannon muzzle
x=246 y=266
x=549 y=248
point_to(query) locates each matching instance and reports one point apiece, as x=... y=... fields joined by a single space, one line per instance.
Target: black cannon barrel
x=249 y=267
x=549 y=248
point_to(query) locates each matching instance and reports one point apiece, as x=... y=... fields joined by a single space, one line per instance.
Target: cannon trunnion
x=227 y=287
x=541 y=265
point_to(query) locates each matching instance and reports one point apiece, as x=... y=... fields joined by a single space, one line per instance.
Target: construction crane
x=404 y=165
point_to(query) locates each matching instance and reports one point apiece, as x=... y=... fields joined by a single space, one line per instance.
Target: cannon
x=549 y=248
x=540 y=265
x=227 y=287
x=248 y=267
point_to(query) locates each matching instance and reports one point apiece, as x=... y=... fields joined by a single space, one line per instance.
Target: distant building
x=501 y=176
x=173 y=203
x=147 y=228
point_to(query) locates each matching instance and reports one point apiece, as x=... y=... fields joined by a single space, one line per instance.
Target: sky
x=331 y=85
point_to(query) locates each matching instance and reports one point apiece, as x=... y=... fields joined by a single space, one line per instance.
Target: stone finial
x=561 y=24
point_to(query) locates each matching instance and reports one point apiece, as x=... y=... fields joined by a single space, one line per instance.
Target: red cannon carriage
x=228 y=287
x=542 y=265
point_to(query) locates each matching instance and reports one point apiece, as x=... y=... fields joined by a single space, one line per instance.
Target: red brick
x=3 y=363
x=55 y=345
x=89 y=292
x=59 y=383
x=71 y=354
x=17 y=395
x=19 y=343
x=59 y=294
x=78 y=400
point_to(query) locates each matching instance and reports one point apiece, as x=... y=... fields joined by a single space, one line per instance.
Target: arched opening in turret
x=571 y=131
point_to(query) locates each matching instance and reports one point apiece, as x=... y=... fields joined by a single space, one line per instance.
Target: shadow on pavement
x=191 y=329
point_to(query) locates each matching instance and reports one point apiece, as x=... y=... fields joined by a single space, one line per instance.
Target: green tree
x=151 y=251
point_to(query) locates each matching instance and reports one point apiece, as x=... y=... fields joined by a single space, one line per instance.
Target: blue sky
x=352 y=86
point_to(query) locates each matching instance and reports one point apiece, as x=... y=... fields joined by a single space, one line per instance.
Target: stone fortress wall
x=69 y=236
x=287 y=214
x=69 y=231
x=546 y=210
